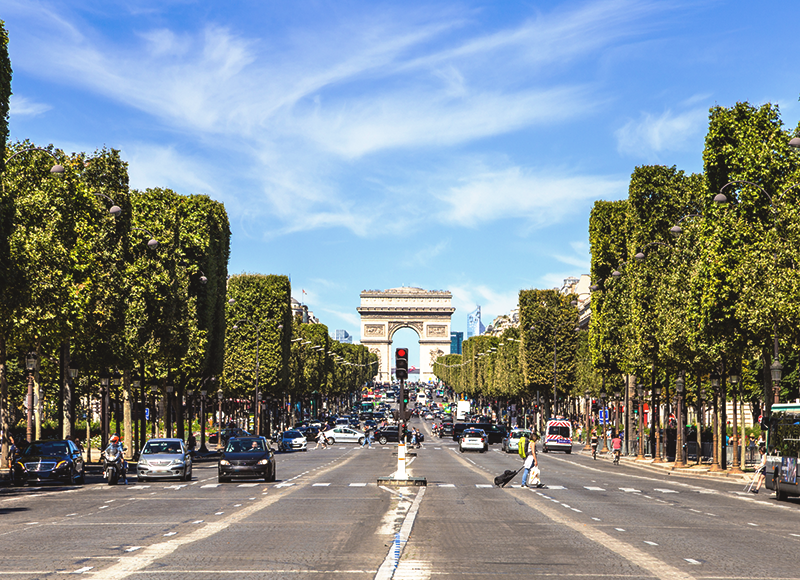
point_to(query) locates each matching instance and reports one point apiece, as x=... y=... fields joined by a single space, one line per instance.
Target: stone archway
x=427 y=312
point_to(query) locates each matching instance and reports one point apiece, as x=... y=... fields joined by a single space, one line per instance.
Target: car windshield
x=46 y=448
x=244 y=445
x=292 y=435
x=518 y=434
x=473 y=433
x=158 y=447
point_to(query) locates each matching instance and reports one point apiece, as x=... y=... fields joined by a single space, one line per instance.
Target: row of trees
x=531 y=362
x=685 y=282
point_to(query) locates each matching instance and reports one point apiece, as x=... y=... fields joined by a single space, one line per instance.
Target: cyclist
x=616 y=446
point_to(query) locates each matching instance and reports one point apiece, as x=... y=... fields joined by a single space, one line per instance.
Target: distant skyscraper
x=342 y=336
x=474 y=325
x=456 y=338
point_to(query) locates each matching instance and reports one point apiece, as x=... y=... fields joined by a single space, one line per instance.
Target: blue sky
x=369 y=145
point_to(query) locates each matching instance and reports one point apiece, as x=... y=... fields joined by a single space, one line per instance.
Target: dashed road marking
x=650 y=543
x=592 y=488
x=630 y=490
x=320 y=484
x=133 y=548
x=211 y=485
x=82 y=570
x=691 y=561
x=446 y=485
x=358 y=485
x=168 y=534
x=247 y=485
x=664 y=490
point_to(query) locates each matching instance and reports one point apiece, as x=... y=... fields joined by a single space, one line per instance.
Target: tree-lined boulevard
x=326 y=517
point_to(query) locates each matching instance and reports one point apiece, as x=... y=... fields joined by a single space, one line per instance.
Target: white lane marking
x=691 y=561
x=483 y=485
x=650 y=543
x=210 y=485
x=70 y=515
x=752 y=524
x=576 y=510
x=664 y=490
x=358 y=485
x=630 y=490
x=133 y=548
x=556 y=487
x=82 y=570
x=176 y=486
x=387 y=571
x=197 y=522
x=695 y=511
x=620 y=529
x=219 y=513
x=247 y=485
x=712 y=515
x=31 y=523
x=168 y=534
x=795 y=535
x=320 y=484
x=284 y=484
x=641 y=559
x=446 y=485
x=597 y=519
x=110 y=500
x=592 y=488
x=237 y=505
x=102 y=507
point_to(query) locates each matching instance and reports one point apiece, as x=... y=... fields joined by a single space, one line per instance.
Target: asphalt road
x=326 y=517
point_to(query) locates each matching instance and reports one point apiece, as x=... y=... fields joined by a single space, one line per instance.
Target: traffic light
x=401 y=363
x=405 y=397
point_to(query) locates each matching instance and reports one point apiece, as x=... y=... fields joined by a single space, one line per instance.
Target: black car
x=495 y=433
x=227 y=434
x=389 y=435
x=309 y=432
x=446 y=430
x=44 y=461
x=246 y=457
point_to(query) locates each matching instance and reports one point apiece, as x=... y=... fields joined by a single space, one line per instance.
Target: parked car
x=511 y=441
x=44 y=461
x=341 y=434
x=475 y=440
x=246 y=457
x=293 y=440
x=163 y=458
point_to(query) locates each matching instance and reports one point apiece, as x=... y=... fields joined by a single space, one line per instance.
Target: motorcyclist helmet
x=114 y=440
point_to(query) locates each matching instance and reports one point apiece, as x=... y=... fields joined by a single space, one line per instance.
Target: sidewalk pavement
x=691 y=470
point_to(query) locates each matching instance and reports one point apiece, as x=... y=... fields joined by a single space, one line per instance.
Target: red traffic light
x=401 y=352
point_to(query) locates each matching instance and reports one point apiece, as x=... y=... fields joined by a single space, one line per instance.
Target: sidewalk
x=691 y=470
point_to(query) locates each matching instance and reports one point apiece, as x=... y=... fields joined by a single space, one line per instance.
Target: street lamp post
x=657 y=424
x=168 y=418
x=679 y=387
x=190 y=405
x=715 y=466
x=776 y=370
x=30 y=367
x=105 y=379
x=154 y=392
x=135 y=385
x=588 y=409
x=219 y=428
x=640 y=445
x=604 y=412
x=203 y=448
x=734 y=380
x=616 y=411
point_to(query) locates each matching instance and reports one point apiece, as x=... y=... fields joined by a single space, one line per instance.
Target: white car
x=293 y=440
x=342 y=434
x=473 y=439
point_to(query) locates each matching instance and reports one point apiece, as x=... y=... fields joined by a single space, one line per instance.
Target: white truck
x=462 y=410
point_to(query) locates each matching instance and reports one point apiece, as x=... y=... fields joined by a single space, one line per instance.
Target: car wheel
x=382 y=440
x=544 y=449
x=361 y=440
x=272 y=474
x=221 y=479
x=81 y=478
x=331 y=441
x=569 y=451
x=188 y=475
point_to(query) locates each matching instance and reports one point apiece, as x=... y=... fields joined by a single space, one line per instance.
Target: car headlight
x=177 y=462
x=224 y=462
x=21 y=465
x=263 y=462
x=61 y=464
x=143 y=462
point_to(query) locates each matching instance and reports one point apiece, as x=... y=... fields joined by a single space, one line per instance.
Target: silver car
x=511 y=441
x=342 y=434
x=164 y=458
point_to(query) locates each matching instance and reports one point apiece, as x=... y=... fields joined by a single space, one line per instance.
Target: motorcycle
x=114 y=465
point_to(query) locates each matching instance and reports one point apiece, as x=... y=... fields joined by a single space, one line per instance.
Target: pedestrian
x=321 y=440
x=761 y=470
x=191 y=442
x=593 y=440
x=523 y=448
x=532 y=465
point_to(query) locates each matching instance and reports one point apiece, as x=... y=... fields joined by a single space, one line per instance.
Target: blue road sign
x=147 y=413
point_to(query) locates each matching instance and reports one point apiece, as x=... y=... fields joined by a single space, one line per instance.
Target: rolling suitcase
x=505 y=477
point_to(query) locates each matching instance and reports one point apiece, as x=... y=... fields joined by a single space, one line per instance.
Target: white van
x=557 y=436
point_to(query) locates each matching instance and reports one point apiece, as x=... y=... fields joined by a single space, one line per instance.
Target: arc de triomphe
x=427 y=312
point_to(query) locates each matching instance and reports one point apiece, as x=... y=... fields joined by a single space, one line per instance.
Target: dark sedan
x=44 y=461
x=389 y=435
x=246 y=457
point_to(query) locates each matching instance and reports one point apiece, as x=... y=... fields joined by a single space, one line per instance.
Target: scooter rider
x=116 y=446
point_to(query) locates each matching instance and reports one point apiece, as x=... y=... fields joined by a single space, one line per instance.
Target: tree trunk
x=67 y=396
x=5 y=424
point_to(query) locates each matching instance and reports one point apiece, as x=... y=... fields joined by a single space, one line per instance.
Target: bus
x=783 y=450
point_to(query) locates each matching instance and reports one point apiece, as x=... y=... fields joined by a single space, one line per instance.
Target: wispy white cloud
x=20 y=106
x=652 y=134
x=493 y=303
x=515 y=192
